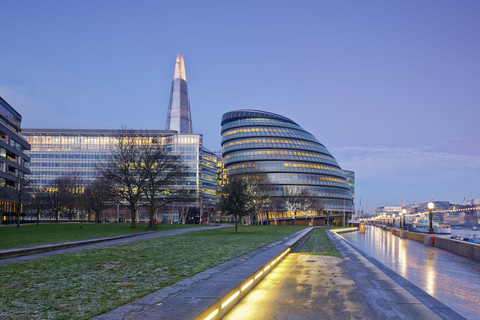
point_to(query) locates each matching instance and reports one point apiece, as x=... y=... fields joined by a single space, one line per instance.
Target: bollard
x=428 y=240
x=361 y=228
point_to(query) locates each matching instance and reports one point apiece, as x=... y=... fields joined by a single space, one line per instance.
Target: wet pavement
x=304 y=287
x=350 y=286
x=452 y=279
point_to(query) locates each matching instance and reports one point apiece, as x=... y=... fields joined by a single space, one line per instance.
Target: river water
x=450 y=278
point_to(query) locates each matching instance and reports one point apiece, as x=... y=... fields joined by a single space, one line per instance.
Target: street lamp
x=393 y=220
x=430 y=207
x=400 y=216
x=404 y=211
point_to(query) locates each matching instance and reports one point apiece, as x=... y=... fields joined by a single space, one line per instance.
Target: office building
x=277 y=153
x=13 y=159
x=57 y=152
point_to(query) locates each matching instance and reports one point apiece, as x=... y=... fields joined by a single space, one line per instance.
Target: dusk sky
x=391 y=88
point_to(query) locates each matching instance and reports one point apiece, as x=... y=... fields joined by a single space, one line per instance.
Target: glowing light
x=230 y=299
x=247 y=284
x=211 y=315
x=267 y=267
x=258 y=275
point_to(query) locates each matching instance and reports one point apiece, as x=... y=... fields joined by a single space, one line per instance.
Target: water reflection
x=430 y=272
x=452 y=279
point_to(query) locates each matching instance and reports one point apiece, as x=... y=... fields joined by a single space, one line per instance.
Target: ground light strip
x=247 y=284
x=230 y=299
x=211 y=315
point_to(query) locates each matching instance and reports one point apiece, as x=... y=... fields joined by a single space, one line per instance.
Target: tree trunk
x=133 y=214
x=236 y=220
x=38 y=215
x=152 y=212
x=18 y=215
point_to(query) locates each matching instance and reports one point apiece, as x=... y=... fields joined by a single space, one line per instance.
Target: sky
x=391 y=88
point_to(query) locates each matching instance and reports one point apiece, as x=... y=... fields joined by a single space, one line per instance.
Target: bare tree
x=20 y=196
x=318 y=207
x=124 y=171
x=70 y=189
x=162 y=173
x=292 y=200
x=96 y=196
x=54 y=198
x=36 y=201
x=307 y=203
x=258 y=198
x=275 y=205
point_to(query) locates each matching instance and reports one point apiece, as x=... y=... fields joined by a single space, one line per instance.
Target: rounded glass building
x=277 y=153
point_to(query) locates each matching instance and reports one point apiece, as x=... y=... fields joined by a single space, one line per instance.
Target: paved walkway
x=48 y=250
x=306 y=286
x=302 y=286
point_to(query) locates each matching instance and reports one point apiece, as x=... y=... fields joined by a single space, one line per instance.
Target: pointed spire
x=178 y=117
x=180 y=68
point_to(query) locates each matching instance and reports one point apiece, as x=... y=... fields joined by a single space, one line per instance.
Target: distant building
x=57 y=152
x=13 y=159
x=279 y=154
x=350 y=176
x=179 y=116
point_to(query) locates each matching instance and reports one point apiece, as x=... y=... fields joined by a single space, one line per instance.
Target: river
x=450 y=278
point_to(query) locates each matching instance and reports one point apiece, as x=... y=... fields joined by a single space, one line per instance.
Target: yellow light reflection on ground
x=230 y=299
x=211 y=315
x=247 y=284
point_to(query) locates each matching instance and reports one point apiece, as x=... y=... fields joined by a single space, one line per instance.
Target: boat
x=422 y=224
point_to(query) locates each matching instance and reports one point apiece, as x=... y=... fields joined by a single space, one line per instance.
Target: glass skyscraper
x=179 y=118
x=277 y=153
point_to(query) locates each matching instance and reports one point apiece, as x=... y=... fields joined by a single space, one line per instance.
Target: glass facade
x=57 y=152
x=278 y=153
x=179 y=117
x=14 y=162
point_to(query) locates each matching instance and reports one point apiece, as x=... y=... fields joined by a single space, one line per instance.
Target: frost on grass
x=83 y=284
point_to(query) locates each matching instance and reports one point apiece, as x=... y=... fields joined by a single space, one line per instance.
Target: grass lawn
x=30 y=235
x=319 y=243
x=84 y=284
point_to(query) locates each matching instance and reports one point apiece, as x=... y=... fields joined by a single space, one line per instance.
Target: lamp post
x=404 y=212
x=430 y=207
x=400 y=218
x=393 y=220
x=384 y=219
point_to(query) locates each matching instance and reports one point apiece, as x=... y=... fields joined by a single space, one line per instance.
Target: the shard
x=179 y=116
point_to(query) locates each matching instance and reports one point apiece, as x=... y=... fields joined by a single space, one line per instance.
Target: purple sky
x=392 y=88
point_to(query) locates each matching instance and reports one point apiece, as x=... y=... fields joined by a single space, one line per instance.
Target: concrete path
x=306 y=286
x=42 y=251
x=187 y=299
